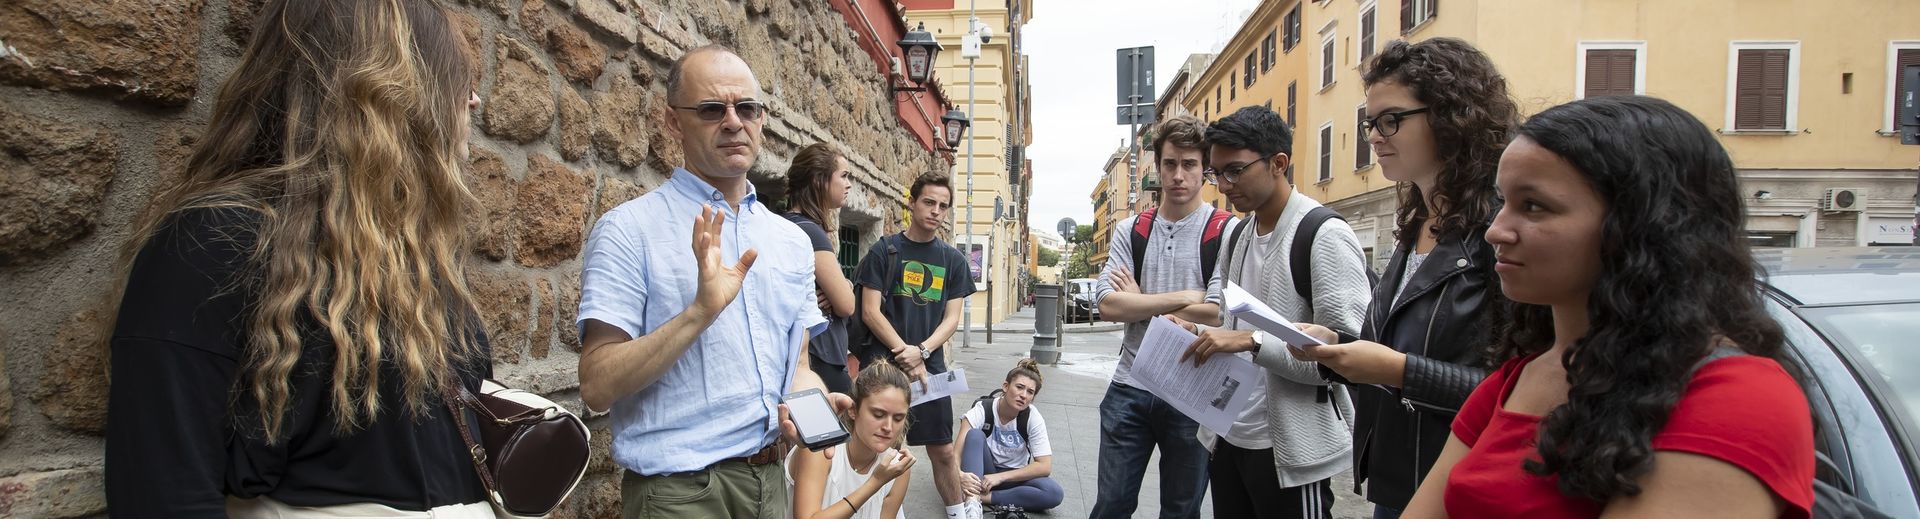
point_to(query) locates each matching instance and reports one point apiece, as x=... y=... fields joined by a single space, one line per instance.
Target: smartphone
x=819 y=427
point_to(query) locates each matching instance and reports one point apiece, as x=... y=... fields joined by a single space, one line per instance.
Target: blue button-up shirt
x=719 y=399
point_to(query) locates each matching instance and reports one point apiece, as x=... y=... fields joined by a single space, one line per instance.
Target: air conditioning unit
x=1845 y=199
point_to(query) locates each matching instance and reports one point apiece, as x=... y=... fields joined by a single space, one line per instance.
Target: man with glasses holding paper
x=690 y=330
x=1279 y=458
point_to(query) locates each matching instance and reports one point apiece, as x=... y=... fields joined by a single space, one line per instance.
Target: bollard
x=1046 y=324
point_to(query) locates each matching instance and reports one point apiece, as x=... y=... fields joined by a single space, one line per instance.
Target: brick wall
x=101 y=100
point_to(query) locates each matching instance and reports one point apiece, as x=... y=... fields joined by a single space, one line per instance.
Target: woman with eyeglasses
x=1441 y=115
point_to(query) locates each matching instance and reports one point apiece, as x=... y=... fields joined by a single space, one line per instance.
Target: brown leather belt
x=767 y=455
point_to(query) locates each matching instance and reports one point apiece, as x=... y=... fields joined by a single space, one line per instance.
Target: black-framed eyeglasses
x=1387 y=124
x=715 y=111
x=1231 y=174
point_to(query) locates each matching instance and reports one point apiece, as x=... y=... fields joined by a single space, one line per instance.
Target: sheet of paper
x=1213 y=394
x=953 y=382
x=1247 y=308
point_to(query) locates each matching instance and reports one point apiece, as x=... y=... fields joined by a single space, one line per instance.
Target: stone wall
x=101 y=100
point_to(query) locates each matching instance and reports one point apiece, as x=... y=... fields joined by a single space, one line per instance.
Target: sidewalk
x=1070 y=399
x=1021 y=323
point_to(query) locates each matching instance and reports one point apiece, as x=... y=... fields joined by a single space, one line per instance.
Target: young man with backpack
x=1302 y=260
x=1158 y=264
x=911 y=288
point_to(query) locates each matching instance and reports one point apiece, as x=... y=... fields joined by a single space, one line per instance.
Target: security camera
x=986 y=34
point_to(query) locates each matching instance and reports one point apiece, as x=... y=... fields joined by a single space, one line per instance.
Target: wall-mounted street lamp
x=920 y=50
x=955 y=124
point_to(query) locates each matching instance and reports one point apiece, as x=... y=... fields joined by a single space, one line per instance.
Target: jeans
x=1382 y=512
x=1041 y=493
x=1132 y=423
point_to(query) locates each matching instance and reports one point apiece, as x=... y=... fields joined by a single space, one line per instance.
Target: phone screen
x=812 y=415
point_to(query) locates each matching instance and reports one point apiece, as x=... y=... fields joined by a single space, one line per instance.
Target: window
x=1267 y=50
x=1292 y=86
x=1326 y=59
x=1611 y=69
x=1291 y=23
x=1326 y=152
x=1216 y=99
x=1763 y=78
x=1248 y=75
x=1900 y=55
x=1233 y=86
x=1367 y=18
x=1416 y=12
x=1269 y=105
x=1362 y=150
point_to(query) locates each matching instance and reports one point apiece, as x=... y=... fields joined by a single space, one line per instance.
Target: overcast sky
x=1071 y=48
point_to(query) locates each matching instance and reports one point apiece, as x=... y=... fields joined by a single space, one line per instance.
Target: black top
x=831 y=344
x=176 y=449
x=917 y=279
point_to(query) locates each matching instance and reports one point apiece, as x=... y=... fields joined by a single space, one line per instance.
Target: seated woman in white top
x=833 y=488
x=1006 y=458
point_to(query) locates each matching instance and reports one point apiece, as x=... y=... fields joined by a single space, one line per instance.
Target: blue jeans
x=1382 y=512
x=1041 y=493
x=1132 y=423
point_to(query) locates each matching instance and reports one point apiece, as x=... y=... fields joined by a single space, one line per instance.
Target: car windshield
x=1881 y=335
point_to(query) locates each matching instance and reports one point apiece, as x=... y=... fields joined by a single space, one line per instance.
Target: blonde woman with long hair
x=295 y=302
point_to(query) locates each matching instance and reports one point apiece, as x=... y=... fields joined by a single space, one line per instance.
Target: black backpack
x=986 y=404
x=859 y=338
x=1209 y=242
x=1300 y=256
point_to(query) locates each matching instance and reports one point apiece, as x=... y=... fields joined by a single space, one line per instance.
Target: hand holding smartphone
x=814 y=417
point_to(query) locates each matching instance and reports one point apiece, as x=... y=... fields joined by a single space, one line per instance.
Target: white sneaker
x=974 y=510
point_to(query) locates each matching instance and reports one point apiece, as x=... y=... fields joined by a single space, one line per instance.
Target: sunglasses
x=715 y=111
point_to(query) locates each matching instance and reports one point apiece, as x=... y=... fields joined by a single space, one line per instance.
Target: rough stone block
x=550 y=213
x=492 y=232
x=521 y=108
x=567 y=312
x=6 y=393
x=543 y=319
x=504 y=300
x=664 y=148
x=613 y=192
x=53 y=179
x=576 y=125
x=575 y=54
x=615 y=19
x=138 y=51
x=56 y=494
x=240 y=17
x=620 y=131
x=73 y=383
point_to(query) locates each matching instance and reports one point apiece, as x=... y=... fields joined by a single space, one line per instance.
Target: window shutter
x=1363 y=150
x=1433 y=9
x=1292 y=87
x=1326 y=153
x=1760 y=90
x=1366 y=36
x=1406 y=16
x=1326 y=62
x=1746 y=91
x=1250 y=72
x=1906 y=58
x=1293 y=27
x=1773 y=100
x=1610 y=73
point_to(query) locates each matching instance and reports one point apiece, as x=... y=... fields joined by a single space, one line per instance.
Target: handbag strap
x=457 y=397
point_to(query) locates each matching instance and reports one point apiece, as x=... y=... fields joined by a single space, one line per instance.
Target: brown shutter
x=1610 y=72
x=1760 y=89
x=1906 y=58
x=1366 y=35
x=1433 y=8
x=1363 y=150
x=1292 y=88
x=1326 y=153
x=1406 y=16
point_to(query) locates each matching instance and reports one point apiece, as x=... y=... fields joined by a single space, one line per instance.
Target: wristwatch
x=924 y=352
x=1256 y=343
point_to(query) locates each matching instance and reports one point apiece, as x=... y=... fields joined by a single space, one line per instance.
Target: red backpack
x=1209 y=242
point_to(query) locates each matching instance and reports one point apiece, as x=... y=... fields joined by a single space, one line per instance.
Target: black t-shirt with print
x=917 y=279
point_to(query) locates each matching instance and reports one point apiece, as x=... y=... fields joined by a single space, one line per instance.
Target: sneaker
x=973 y=508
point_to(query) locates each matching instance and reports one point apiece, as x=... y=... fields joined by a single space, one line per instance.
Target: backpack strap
x=1210 y=244
x=1026 y=436
x=1300 y=259
x=1233 y=240
x=1142 y=227
x=986 y=405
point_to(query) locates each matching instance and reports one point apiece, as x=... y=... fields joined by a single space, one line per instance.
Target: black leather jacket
x=1443 y=323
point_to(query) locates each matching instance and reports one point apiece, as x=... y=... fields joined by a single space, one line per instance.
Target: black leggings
x=1245 y=485
x=835 y=376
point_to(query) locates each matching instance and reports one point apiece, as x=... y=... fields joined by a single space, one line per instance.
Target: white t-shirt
x=842 y=480
x=1250 y=428
x=1009 y=449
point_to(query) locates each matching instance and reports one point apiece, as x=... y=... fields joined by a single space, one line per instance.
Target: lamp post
x=977 y=35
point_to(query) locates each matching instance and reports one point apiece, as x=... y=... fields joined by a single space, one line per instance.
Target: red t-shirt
x=1742 y=410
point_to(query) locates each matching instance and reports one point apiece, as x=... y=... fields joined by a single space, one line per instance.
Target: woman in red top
x=1621 y=234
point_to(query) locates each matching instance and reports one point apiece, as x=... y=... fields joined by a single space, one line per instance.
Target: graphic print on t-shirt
x=921 y=282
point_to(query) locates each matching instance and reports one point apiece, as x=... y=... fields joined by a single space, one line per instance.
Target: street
x=1070 y=399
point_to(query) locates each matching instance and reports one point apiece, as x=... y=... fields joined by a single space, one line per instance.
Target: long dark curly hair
x=1472 y=115
x=1676 y=277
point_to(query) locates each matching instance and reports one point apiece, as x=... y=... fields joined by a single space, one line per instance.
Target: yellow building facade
x=1799 y=91
x=1000 y=123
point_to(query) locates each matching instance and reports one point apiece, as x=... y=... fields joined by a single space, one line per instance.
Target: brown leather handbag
x=530 y=452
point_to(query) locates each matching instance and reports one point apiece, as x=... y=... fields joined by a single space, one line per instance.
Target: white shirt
x=842 y=480
x=1250 y=428
x=1009 y=450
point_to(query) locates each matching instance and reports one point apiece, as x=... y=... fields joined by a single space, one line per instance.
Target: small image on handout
x=1228 y=386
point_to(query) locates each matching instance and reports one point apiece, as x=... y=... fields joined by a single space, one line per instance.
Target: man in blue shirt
x=691 y=347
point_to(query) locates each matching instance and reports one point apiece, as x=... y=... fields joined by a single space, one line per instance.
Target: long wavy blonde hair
x=342 y=130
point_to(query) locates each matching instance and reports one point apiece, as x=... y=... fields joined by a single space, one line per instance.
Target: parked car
x=1852 y=321
x=1080 y=304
